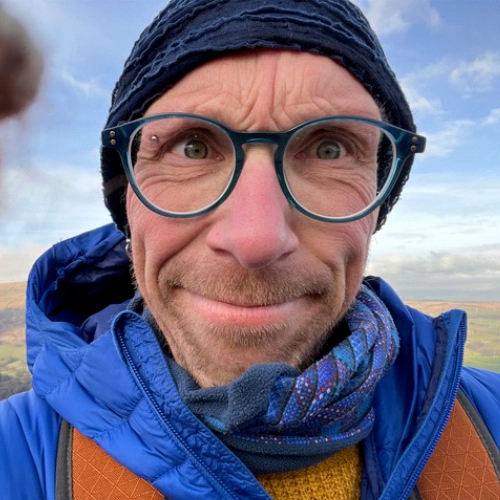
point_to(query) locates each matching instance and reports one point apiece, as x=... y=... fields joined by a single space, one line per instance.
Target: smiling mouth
x=244 y=313
x=246 y=304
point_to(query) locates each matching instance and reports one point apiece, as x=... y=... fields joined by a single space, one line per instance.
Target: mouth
x=243 y=312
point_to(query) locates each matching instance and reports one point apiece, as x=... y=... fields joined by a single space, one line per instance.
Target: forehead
x=268 y=89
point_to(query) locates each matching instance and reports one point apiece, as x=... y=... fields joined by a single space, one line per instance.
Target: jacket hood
x=72 y=281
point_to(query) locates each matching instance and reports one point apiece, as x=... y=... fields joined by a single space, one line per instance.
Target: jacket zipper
x=452 y=392
x=160 y=413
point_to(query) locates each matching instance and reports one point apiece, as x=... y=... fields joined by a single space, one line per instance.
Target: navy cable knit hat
x=188 y=33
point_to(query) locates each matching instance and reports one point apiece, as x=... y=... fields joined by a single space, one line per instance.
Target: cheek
x=155 y=239
x=152 y=241
x=344 y=242
x=344 y=249
x=357 y=240
x=357 y=243
x=360 y=233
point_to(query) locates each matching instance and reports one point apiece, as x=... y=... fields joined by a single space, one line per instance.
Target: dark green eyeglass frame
x=405 y=143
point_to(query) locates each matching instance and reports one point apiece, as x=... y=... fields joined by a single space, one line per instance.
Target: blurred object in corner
x=20 y=66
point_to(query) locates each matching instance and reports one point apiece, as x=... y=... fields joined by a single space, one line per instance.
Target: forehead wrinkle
x=264 y=91
x=257 y=87
x=271 y=98
x=281 y=98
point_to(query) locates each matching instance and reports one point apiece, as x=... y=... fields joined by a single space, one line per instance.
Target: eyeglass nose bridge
x=273 y=140
x=277 y=139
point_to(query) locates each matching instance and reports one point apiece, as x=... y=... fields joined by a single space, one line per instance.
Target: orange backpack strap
x=466 y=462
x=87 y=472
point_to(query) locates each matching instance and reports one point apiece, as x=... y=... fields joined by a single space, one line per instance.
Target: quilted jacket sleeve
x=28 y=442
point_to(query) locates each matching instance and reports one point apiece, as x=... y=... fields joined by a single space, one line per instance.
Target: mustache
x=245 y=287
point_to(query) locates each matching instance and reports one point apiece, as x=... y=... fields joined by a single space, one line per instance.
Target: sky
x=441 y=241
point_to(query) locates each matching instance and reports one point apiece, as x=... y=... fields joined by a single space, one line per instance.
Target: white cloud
x=493 y=118
x=442 y=210
x=89 y=88
x=416 y=83
x=428 y=73
x=466 y=77
x=442 y=240
x=472 y=274
x=387 y=16
x=49 y=203
x=420 y=103
x=478 y=75
x=17 y=262
x=443 y=143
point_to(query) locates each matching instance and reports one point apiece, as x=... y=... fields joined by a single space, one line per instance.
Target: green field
x=482 y=350
x=12 y=360
x=483 y=338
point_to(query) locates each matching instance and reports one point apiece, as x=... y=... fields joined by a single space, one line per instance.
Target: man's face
x=253 y=281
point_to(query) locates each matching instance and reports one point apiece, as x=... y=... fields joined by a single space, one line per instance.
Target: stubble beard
x=215 y=354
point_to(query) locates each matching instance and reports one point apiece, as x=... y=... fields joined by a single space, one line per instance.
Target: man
x=251 y=150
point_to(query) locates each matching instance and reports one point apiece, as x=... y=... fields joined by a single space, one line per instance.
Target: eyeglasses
x=333 y=169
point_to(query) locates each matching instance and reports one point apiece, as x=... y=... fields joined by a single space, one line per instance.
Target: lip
x=222 y=312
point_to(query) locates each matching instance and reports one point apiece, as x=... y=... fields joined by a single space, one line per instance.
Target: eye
x=329 y=150
x=194 y=148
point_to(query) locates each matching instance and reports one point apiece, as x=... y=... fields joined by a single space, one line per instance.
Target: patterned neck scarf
x=277 y=419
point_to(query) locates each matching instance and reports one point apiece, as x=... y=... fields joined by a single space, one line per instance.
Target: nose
x=253 y=224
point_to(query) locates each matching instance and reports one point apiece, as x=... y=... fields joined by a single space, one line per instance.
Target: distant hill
x=12 y=313
x=12 y=295
x=483 y=346
x=14 y=376
x=483 y=338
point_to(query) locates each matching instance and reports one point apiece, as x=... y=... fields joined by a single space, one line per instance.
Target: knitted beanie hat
x=188 y=33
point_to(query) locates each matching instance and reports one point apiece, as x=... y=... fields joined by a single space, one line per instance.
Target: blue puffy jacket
x=99 y=366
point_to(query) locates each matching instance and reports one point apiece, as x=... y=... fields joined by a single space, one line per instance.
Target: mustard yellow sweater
x=337 y=478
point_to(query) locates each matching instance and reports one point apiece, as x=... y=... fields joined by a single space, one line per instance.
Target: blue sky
x=442 y=240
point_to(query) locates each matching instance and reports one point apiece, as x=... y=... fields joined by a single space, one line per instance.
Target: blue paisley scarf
x=276 y=418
